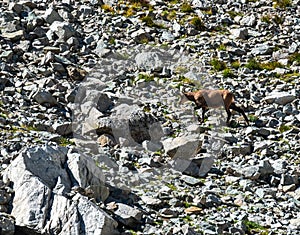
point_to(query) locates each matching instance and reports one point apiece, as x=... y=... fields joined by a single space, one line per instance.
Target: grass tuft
x=186 y=7
x=218 y=65
x=198 y=23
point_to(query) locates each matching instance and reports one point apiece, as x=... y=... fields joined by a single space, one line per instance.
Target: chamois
x=214 y=99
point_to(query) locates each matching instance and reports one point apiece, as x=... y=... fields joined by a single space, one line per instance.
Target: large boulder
x=43 y=178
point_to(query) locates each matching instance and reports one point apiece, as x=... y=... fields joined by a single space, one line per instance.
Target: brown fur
x=214 y=99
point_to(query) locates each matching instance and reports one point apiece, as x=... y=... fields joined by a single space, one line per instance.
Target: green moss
x=233 y=14
x=278 y=19
x=227 y=73
x=198 y=23
x=252 y=118
x=253 y=64
x=267 y=19
x=218 y=65
x=235 y=64
x=282 y=3
x=222 y=47
x=187 y=218
x=133 y=232
x=62 y=141
x=295 y=57
x=186 y=204
x=145 y=77
x=184 y=80
x=186 y=7
x=284 y=128
x=289 y=77
x=172 y=186
x=148 y=20
x=208 y=11
x=256 y=65
x=255 y=228
x=271 y=65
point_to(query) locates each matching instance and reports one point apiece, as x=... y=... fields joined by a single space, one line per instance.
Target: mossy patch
x=218 y=65
x=197 y=23
x=186 y=7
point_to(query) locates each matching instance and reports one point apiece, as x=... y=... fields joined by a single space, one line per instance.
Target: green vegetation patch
x=218 y=65
x=186 y=7
x=227 y=73
x=284 y=128
x=282 y=3
x=252 y=118
x=197 y=23
x=295 y=57
x=62 y=141
x=145 y=77
x=107 y=8
x=255 y=228
x=253 y=64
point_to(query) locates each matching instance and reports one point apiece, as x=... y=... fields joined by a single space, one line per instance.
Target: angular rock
x=128 y=215
x=42 y=180
x=62 y=30
x=51 y=15
x=7 y=224
x=261 y=49
x=45 y=98
x=14 y=36
x=240 y=33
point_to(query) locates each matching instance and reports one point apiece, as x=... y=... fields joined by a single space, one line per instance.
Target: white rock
x=281 y=98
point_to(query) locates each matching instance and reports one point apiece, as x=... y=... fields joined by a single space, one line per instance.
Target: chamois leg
x=228 y=116
x=204 y=109
x=240 y=110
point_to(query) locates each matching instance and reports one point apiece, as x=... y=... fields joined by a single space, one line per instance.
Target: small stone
x=241 y=33
x=45 y=98
x=63 y=129
x=106 y=140
x=7 y=224
x=128 y=215
x=190 y=180
x=168 y=213
x=193 y=210
x=14 y=36
x=261 y=49
x=51 y=15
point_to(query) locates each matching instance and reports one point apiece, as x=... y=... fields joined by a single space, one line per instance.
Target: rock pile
x=95 y=138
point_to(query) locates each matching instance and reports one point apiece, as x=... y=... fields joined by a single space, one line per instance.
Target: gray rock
x=265 y=168
x=261 y=49
x=14 y=36
x=63 y=128
x=62 y=30
x=128 y=215
x=104 y=102
x=7 y=224
x=45 y=98
x=248 y=20
x=167 y=36
x=240 y=33
x=151 y=201
x=152 y=146
x=149 y=61
x=251 y=172
x=41 y=202
x=281 y=98
x=190 y=180
x=101 y=48
x=51 y=15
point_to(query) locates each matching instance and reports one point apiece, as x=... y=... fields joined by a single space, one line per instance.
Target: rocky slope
x=95 y=138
